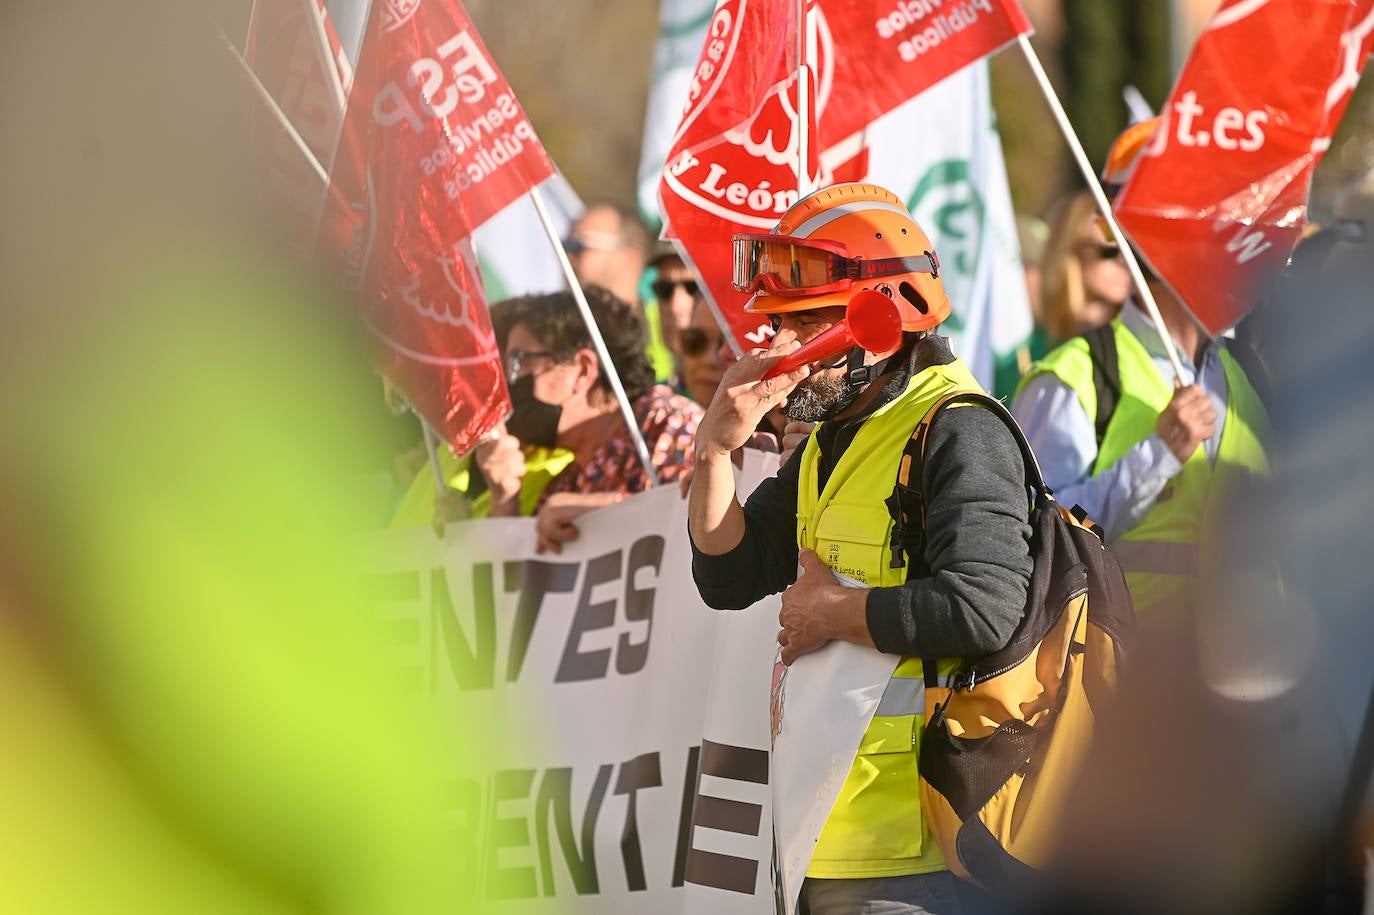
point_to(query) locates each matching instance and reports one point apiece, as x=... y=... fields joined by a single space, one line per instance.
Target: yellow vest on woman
x=1161 y=554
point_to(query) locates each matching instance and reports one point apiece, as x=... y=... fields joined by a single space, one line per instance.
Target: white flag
x=941 y=153
x=513 y=249
x=681 y=32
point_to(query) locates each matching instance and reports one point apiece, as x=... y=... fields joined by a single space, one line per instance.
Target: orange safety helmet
x=833 y=243
x=1125 y=154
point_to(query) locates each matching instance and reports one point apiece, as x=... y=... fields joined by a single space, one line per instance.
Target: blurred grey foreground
x=1218 y=786
x=196 y=714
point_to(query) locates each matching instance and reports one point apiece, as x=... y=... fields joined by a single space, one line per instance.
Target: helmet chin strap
x=858 y=374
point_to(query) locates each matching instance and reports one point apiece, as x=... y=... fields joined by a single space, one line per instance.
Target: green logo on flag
x=951 y=209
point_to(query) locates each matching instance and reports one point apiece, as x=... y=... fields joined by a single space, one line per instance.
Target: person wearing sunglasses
x=1083 y=280
x=1146 y=455
x=825 y=511
x=702 y=347
x=607 y=246
x=674 y=289
x=705 y=357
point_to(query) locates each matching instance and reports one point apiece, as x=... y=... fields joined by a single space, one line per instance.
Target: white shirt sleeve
x=1064 y=439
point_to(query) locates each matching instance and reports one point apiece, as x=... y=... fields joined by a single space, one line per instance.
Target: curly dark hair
x=555 y=319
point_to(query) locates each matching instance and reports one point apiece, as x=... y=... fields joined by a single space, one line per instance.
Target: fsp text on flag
x=434 y=144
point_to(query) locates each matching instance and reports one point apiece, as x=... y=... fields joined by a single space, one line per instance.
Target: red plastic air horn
x=871 y=320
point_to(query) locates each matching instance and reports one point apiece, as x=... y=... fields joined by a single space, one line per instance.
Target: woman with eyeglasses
x=564 y=450
x=561 y=398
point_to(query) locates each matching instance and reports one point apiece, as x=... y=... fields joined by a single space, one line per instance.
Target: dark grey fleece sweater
x=977 y=534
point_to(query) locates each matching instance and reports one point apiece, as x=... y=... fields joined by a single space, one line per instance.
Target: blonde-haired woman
x=1083 y=281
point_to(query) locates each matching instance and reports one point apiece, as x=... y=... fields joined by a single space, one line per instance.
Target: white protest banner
x=822 y=707
x=630 y=769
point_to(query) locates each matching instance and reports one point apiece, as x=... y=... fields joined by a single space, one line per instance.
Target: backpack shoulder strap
x=1254 y=368
x=907 y=502
x=1106 y=375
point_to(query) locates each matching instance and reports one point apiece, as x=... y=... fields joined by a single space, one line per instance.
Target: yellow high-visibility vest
x=875 y=828
x=417 y=507
x=1161 y=554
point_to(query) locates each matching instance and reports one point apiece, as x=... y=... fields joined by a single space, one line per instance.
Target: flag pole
x=339 y=134
x=432 y=446
x=275 y=109
x=1095 y=188
x=325 y=52
x=598 y=343
x=252 y=15
x=803 y=104
x=283 y=121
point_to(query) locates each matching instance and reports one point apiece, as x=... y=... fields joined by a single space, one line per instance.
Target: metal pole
x=276 y=111
x=803 y=105
x=432 y=446
x=598 y=343
x=284 y=122
x=1095 y=187
x=324 y=52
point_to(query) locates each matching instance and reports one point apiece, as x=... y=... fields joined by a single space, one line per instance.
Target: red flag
x=1218 y=199
x=888 y=51
x=733 y=163
x=732 y=166
x=295 y=53
x=435 y=144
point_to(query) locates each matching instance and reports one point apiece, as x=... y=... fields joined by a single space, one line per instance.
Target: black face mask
x=532 y=421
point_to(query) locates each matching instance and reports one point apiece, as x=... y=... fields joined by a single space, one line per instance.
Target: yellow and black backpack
x=1005 y=738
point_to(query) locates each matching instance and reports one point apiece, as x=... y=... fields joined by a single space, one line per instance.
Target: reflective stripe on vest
x=907 y=695
x=903 y=696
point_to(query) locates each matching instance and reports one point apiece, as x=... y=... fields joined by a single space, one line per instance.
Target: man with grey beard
x=963 y=593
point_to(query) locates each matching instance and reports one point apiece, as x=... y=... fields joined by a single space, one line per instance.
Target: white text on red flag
x=434 y=144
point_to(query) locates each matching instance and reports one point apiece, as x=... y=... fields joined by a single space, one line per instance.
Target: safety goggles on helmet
x=784 y=266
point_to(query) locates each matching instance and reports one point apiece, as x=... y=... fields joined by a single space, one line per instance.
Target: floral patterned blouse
x=669 y=424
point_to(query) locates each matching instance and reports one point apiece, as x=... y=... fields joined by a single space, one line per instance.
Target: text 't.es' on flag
x=1218 y=198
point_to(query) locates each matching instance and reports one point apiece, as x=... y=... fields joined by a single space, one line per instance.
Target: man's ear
x=588 y=369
